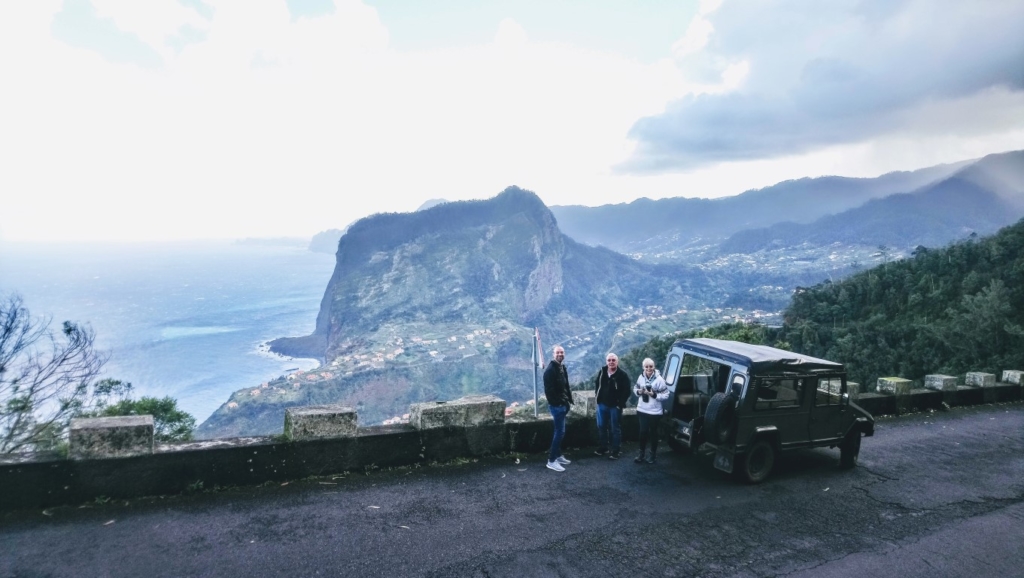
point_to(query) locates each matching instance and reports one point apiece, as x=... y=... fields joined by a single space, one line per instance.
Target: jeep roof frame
x=758 y=359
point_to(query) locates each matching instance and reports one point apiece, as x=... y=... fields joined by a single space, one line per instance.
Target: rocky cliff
x=442 y=302
x=472 y=263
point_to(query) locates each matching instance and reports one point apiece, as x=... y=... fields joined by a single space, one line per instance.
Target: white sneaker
x=562 y=460
x=555 y=466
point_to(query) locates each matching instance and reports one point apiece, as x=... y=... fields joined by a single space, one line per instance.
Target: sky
x=193 y=119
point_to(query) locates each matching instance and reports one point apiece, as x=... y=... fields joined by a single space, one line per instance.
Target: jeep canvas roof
x=759 y=358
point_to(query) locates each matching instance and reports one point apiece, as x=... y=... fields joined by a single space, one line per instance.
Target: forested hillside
x=949 y=310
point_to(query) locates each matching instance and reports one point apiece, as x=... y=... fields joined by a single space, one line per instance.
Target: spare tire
x=719 y=419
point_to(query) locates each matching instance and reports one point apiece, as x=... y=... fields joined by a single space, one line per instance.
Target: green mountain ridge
x=979 y=199
x=679 y=222
x=827 y=225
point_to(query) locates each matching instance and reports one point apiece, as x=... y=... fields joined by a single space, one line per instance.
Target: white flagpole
x=533 y=361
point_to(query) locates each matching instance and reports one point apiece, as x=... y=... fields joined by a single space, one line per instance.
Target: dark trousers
x=648 y=430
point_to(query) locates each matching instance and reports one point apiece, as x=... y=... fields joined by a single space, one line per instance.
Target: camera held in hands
x=648 y=392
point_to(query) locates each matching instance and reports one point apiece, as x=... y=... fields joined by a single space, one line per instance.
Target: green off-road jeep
x=748 y=402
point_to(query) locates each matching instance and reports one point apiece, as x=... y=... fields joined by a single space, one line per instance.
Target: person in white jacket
x=650 y=389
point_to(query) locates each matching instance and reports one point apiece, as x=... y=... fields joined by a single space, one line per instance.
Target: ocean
x=184 y=320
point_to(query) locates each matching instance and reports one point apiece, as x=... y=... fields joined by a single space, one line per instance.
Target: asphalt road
x=935 y=495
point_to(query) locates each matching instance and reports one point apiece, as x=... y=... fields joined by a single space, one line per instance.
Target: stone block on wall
x=111 y=437
x=940 y=382
x=1013 y=376
x=473 y=410
x=314 y=422
x=584 y=403
x=894 y=385
x=853 y=389
x=980 y=379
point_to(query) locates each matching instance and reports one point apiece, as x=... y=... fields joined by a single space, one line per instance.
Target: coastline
x=265 y=350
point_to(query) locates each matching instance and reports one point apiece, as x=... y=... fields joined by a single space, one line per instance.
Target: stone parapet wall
x=473 y=426
x=925 y=399
x=175 y=468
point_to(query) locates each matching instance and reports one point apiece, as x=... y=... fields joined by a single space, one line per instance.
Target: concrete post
x=940 y=382
x=1013 y=376
x=474 y=410
x=111 y=437
x=980 y=379
x=898 y=387
x=853 y=390
x=584 y=403
x=894 y=385
x=320 y=422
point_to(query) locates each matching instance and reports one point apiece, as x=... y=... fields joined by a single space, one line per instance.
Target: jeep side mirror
x=844 y=400
x=737 y=385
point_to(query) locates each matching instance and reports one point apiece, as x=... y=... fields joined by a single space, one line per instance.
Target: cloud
x=79 y=25
x=261 y=124
x=201 y=8
x=310 y=8
x=184 y=36
x=819 y=74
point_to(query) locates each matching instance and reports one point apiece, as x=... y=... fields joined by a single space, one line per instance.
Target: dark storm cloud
x=824 y=73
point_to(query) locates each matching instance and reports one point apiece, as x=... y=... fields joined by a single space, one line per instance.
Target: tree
x=170 y=424
x=45 y=377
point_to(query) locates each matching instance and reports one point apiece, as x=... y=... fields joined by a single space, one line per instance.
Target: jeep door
x=826 y=412
x=777 y=402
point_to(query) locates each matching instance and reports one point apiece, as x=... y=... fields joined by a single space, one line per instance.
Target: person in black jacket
x=556 y=390
x=613 y=388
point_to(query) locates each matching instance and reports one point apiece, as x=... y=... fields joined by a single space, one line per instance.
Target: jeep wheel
x=719 y=418
x=849 y=450
x=757 y=463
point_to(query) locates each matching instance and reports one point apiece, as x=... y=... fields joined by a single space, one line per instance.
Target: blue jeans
x=608 y=418
x=558 y=414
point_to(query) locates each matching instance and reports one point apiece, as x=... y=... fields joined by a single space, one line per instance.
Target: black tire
x=757 y=463
x=849 y=450
x=719 y=418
